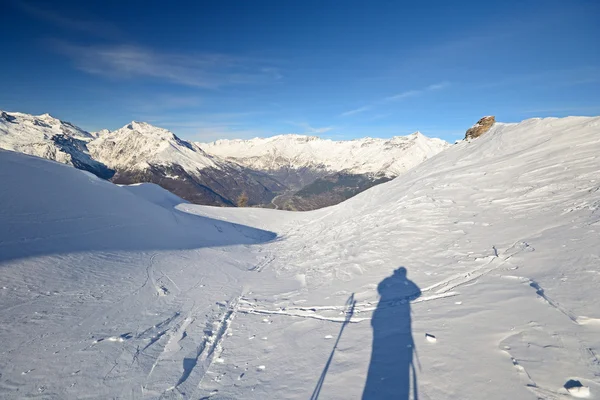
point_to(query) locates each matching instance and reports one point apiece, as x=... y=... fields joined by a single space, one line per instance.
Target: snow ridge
x=387 y=157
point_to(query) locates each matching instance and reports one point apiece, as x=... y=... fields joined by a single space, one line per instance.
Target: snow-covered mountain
x=290 y=171
x=99 y=133
x=382 y=157
x=109 y=291
x=139 y=146
x=136 y=153
x=47 y=137
x=140 y=152
x=321 y=172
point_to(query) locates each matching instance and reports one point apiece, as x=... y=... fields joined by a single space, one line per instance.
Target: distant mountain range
x=319 y=172
x=292 y=172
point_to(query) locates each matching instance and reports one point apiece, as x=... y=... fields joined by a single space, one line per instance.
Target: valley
x=168 y=299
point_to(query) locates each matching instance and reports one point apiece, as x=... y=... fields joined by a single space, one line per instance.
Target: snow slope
x=501 y=236
x=92 y=273
x=387 y=157
x=108 y=294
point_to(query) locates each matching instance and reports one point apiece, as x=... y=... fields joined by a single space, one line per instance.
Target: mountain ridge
x=281 y=168
x=363 y=155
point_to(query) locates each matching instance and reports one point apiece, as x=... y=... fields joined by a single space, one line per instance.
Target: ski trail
x=171 y=280
x=214 y=343
x=464 y=278
x=149 y=268
x=540 y=292
x=197 y=363
x=249 y=307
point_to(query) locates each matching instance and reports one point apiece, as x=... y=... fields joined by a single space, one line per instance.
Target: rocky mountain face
x=291 y=172
x=481 y=127
x=327 y=191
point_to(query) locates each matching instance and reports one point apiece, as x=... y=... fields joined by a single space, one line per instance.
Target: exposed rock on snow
x=481 y=127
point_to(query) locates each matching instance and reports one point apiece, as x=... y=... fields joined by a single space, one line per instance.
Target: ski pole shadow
x=349 y=309
x=393 y=351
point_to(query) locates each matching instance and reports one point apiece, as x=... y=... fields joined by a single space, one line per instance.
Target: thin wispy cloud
x=378 y=117
x=92 y=27
x=207 y=71
x=397 y=97
x=308 y=129
x=403 y=95
x=355 y=111
x=438 y=86
x=413 y=93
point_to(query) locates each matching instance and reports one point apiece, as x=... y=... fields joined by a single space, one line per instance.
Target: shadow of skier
x=389 y=375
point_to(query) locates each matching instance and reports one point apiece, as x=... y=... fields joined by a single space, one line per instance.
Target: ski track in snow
x=249 y=307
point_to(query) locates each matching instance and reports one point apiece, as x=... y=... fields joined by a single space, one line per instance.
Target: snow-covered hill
x=107 y=292
x=501 y=236
x=384 y=157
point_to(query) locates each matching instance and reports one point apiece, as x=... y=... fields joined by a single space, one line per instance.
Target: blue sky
x=336 y=69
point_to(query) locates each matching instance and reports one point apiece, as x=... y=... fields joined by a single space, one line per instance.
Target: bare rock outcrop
x=481 y=127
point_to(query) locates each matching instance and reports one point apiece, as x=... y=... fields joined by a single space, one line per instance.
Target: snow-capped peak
x=138 y=145
x=143 y=127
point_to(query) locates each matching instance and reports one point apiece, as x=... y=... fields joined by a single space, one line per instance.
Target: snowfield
x=475 y=275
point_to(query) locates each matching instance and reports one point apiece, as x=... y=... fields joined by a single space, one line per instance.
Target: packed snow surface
x=390 y=157
x=474 y=275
